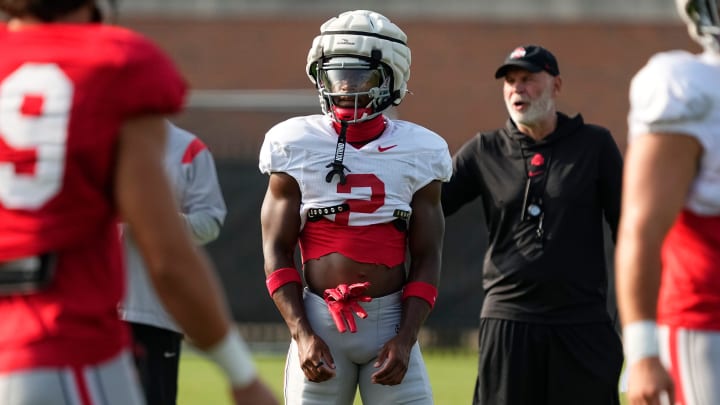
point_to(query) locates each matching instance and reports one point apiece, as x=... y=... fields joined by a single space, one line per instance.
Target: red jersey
x=65 y=90
x=689 y=295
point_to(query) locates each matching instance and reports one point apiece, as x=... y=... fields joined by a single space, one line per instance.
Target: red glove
x=343 y=301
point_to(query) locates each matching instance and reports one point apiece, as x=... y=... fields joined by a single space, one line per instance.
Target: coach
x=546 y=181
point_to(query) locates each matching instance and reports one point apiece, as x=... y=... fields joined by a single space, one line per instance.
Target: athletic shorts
x=525 y=363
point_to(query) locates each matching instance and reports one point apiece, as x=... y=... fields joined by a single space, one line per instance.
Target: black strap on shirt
x=26 y=275
x=338 y=168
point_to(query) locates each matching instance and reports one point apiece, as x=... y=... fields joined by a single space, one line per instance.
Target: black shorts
x=536 y=364
x=157 y=357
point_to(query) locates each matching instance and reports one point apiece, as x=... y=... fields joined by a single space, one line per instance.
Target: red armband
x=421 y=289
x=280 y=277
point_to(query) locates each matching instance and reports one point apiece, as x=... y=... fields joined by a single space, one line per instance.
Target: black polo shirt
x=544 y=204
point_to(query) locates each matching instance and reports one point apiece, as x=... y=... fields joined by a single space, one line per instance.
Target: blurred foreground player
x=82 y=137
x=668 y=250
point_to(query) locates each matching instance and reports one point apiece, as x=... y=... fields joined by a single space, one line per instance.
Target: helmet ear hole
x=313 y=73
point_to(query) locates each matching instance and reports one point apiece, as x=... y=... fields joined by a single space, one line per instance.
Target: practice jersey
x=191 y=170
x=65 y=91
x=679 y=92
x=382 y=176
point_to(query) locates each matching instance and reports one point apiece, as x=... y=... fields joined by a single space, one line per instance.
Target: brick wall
x=454 y=91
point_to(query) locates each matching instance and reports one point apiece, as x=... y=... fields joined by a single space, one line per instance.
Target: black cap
x=532 y=58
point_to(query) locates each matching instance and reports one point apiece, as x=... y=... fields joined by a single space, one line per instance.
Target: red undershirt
x=377 y=244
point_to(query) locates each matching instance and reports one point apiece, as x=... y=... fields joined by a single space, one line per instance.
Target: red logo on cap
x=517 y=53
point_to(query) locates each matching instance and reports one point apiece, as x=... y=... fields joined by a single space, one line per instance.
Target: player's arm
x=280 y=219
x=203 y=206
x=425 y=237
x=659 y=170
x=182 y=276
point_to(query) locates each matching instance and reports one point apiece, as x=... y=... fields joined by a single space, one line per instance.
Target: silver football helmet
x=703 y=21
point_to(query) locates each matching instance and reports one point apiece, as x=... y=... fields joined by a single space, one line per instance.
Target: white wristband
x=640 y=341
x=233 y=356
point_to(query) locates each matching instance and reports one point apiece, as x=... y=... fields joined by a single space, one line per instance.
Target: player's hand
x=315 y=359
x=392 y=361
x=648 y=382
x=257 y=393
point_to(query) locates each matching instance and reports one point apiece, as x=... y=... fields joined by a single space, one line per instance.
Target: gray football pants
x=354 y=355
x=695 y=355
x=113 y=382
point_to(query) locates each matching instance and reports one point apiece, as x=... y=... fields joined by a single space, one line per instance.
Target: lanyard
x=337 y=164
x=532 y=206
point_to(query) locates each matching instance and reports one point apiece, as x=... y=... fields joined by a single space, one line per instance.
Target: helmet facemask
x=703 y=20
x=353 y=89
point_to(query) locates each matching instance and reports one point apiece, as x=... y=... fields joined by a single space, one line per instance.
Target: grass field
x=452 y=375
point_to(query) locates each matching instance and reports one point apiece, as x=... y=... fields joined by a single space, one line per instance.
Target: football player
x=157 y=338
x=354 y=189
x=669 y=241
x=82 y=137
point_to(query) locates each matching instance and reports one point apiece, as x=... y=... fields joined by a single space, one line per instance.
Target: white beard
x=536 y=112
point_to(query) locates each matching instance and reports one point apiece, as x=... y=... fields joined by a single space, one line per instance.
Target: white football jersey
x=382 y=176
x=191 y=170
x=679 y=92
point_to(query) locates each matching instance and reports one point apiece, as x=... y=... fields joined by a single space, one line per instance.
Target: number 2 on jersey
x=377 y=195
x=35 y=103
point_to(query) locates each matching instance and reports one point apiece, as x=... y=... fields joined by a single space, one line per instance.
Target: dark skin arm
x=280 y=218
x=425 y=237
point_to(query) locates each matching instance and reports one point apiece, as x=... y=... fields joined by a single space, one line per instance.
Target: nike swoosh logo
x=535 y=173
x=381 y=149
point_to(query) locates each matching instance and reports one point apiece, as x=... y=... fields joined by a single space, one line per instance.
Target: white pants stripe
x=693 y=356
